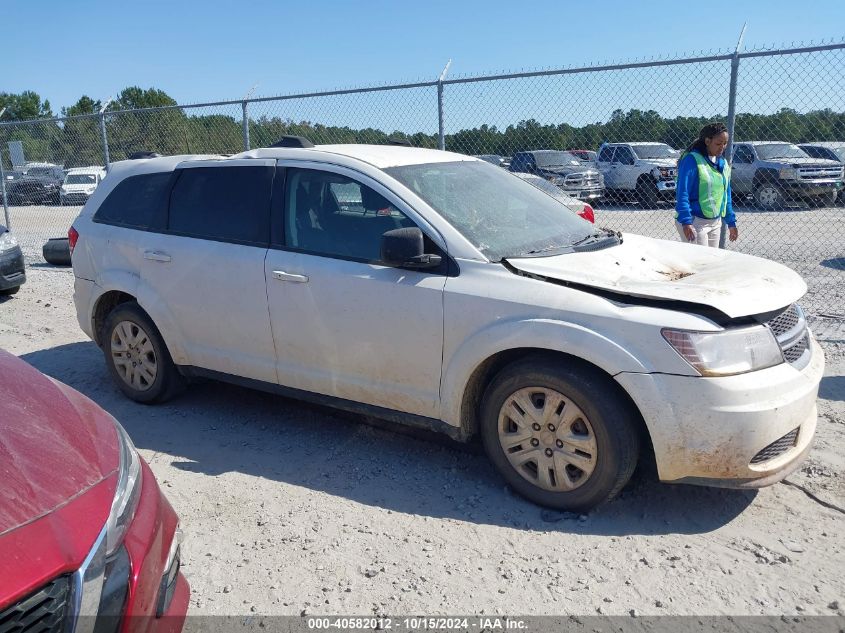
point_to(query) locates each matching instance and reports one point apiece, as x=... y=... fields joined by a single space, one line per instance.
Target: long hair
x=708 y=131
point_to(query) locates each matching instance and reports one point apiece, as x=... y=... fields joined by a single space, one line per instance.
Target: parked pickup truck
x=574 y=176
x=775 y=172
x=644 y=171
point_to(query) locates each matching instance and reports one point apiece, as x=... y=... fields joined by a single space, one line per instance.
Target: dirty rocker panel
x=360 y=408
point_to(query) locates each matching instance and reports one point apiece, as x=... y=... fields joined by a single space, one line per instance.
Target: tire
x=602 y=437
x=647 y=194
x=9 y=291
x=56 y=251
x=768 y=196
x=130 y=336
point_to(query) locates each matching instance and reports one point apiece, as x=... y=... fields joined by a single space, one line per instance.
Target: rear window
x=230 y=204
x=136 y=201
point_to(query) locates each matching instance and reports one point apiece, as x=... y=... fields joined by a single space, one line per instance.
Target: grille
x=792 y=354
x=776 y=448
x=44 y=611
x=785 y=321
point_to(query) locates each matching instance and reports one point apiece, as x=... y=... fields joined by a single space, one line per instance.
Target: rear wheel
x=137 y=357
x=561 y=436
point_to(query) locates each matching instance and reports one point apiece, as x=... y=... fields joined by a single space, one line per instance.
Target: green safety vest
x=712 y=187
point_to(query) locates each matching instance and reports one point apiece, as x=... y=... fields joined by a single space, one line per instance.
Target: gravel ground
x=292 y=509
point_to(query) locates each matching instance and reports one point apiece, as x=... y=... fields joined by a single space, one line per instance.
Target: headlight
x=7 y=242
x=788 y=173
x=127 y=493
x=728 y=352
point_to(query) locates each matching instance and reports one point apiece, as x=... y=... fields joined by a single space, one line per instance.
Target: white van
x=79 y=184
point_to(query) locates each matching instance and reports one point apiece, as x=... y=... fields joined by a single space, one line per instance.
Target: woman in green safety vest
x=703 y=191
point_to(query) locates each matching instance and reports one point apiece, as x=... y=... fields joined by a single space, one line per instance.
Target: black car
x=33 y=190
x=12 y=269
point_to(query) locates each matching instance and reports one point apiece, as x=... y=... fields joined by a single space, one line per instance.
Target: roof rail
x=399 y=141
x=140 y=155
x=293 y=141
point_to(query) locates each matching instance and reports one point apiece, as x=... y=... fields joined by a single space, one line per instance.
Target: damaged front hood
x=735 y=284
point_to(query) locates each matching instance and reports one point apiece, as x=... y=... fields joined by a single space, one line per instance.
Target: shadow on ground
x=216 y=428
x=832 y=388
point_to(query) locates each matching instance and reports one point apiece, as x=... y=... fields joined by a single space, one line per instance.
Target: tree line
x=77 y=142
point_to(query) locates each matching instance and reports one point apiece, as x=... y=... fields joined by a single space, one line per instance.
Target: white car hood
x=733 y=283
x=661 y=162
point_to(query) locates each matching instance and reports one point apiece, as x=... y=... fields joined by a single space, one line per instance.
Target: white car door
x=207 y=269
x=344 y=325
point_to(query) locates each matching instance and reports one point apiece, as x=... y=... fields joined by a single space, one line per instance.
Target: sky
x=199 y=51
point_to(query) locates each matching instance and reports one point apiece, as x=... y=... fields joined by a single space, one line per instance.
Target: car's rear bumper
x=748 y=430
x=12 y=269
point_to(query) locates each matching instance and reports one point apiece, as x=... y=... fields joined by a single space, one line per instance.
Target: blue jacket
x=686 y=192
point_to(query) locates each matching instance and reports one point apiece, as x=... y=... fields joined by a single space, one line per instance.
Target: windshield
x=654 y=151
x=573 y=204
x=780 y=150
x=81 y=179
x=840 y=153
x=497 y=212
x=556 y=159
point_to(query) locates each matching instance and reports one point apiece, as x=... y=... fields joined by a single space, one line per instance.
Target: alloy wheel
x=133 y=355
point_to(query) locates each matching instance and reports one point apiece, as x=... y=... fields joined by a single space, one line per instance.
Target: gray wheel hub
x=133 y=355
x=547 y=439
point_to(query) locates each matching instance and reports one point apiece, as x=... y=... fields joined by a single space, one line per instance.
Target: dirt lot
x=290 y=509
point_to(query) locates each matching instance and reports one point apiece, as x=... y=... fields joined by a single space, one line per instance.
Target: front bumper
x=583 y=194
x=809 y=188
x=141 y=581
x=12 y=269
x=74 y=198
x=708 y=430
x=666 y=186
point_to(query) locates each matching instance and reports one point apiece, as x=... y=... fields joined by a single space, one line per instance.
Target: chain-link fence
x=612 y=129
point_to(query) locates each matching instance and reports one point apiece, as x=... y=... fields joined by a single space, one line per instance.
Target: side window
x=743 y=155
x=329 y=214
x=625 y=156
x=814 y=152
x=606 y=154
x=229 y=204
x=136 y=201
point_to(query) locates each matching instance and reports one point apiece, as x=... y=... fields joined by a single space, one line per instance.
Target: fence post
x=441 y=131
x=3 y=181
x=245 y=126
x=732 y=117
x=103 y=137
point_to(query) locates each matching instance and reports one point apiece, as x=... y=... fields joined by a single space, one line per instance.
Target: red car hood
x=55 y=444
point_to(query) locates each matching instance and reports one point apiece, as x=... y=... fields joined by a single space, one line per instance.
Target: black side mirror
x=403 y=248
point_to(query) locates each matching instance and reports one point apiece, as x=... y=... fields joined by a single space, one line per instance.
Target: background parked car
x=493 y=159
x=573 y=204
x=12 y=269
x=563 y=169
x=39 y=184
x=79 y=184
x=584 y=154
x=84 y=529
x=829 y=150
x=645 y=171
x=775 y=172
x=11 y=176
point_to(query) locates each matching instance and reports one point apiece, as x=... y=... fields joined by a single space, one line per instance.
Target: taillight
x=72 y=236
x=587 y=214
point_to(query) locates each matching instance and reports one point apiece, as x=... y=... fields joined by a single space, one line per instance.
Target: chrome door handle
x=283 y=276
x=156 y=256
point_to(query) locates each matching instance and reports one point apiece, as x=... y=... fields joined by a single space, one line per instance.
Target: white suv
x=434 y=289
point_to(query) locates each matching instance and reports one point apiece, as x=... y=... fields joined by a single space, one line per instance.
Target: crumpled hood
x=54 y=444
x=733 y=283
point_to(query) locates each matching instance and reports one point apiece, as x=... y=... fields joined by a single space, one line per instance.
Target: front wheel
x=137 y=357
x=560 y=435
x=768 y=196
x=826 y=200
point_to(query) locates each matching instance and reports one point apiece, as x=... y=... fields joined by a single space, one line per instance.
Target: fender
x=148 y=299
x=546 y=334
